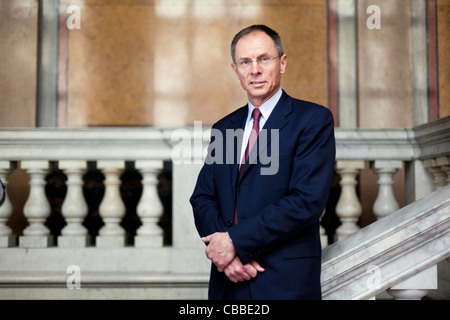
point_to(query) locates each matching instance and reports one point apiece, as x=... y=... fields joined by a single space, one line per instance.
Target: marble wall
x=385 y=79
x=155 y=62
x=110 y=64
x=18 y=57
x=443 y=35
x=168 y=62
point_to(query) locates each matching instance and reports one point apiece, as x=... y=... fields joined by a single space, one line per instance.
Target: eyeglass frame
x=2 y=192
x=257 y=60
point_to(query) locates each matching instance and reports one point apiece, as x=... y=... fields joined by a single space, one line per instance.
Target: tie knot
x=256 y=114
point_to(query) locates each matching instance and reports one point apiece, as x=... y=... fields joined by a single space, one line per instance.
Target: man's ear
x=233 y=66
x=283 y=63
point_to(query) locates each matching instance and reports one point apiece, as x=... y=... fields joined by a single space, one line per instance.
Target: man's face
x=259 y=81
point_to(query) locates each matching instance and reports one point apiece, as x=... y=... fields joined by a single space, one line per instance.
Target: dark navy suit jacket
x=278 y=213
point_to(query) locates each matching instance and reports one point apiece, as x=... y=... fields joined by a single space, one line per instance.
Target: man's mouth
x=257 y=83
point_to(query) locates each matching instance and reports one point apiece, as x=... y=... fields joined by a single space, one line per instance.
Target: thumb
x=206 y=239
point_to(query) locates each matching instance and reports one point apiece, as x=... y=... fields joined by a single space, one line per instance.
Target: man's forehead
x=256 y=40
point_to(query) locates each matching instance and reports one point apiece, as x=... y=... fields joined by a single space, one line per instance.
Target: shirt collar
x=267 y=107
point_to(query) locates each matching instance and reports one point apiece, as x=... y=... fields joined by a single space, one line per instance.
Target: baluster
x=111 y=209
x=7 y=239
x=444 y=163
x=36 y=209
x=385 y=202
x=149 y=208
x=348 y=208
x=74 y=208
x=440 y=177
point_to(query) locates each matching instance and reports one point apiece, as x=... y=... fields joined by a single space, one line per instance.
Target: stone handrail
x=423 y=142
x=390 y=251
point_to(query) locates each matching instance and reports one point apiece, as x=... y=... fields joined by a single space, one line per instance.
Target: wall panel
x=18 y=63
x=138 y=62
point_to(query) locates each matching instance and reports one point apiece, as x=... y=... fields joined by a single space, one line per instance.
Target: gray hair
x=257 y=27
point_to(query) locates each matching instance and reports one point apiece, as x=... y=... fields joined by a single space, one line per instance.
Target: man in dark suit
x=260 y=219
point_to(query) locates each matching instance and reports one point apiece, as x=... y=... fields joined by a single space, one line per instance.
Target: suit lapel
x=234 y=149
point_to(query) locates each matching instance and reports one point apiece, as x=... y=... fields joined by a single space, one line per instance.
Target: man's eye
x=264 y=59
x=244 y=62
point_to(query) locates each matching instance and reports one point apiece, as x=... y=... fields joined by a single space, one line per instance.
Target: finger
x=241 y=273
x=250 y=270
x=231 y=277
x=208 y=252
x=229 y=272
x=236 y=272
x=236 y=277
x=206 y=239
x=257 y=266
x=244 y=276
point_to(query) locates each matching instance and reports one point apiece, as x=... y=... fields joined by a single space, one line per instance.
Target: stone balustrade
x=423 y=152
x=398 y=253
x=74 y=208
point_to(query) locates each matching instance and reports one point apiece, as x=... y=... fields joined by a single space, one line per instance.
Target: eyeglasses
x=263 y=61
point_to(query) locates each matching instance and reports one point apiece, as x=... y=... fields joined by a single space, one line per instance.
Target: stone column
x=7 y=239
x=348 y=208
x=385 y=202
x=444 y=163
x=440 y=176
x=111 y=209
x=74 y=208
x=347 y=60
x=418 y=181
x=36 y=209
x=149 y=208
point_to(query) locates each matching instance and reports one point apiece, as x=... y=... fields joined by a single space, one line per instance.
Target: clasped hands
x=223 y=254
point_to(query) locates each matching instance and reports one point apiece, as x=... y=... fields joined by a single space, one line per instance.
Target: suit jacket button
x=230 y=223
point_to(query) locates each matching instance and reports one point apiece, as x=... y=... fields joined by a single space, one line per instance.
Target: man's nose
x=255 y=67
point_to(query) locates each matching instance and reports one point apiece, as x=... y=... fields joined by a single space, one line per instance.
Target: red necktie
x=251 y=141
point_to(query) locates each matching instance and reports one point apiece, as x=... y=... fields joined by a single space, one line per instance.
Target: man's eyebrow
x=260 y=56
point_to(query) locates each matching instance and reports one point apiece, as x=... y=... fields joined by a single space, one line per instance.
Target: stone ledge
x=94 y=259
x=91 y=279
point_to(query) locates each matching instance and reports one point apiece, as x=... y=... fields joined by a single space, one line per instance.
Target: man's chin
x=258 y=93
x=260 y=96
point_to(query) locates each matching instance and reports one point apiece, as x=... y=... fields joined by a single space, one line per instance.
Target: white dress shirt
x=266 y=109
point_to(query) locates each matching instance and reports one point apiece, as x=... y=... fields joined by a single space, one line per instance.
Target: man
x=262 y=229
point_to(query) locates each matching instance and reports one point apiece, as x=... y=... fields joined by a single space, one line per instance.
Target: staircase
x=398 y=253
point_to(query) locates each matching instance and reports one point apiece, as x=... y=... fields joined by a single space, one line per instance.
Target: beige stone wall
x=18 y=57
x=443 y=38
x=154 y=62
x=110 y=64
x=385 y=66
x=168 y=62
